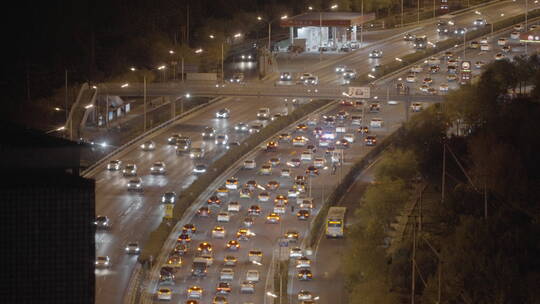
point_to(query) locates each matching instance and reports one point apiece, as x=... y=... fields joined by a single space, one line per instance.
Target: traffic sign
x=359 y=92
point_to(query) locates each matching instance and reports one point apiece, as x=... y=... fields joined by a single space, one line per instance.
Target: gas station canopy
x=327 y=19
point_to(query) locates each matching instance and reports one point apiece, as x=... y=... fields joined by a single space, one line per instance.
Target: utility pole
x=413 y=283
x=222 y=62
x=362 y=26
x=187 y=25
x=401 y=13
x=144 y=102
x=320 y=35
x=418 y=21
x=66 y=97
x=443 y=171
x=182 y=69
x=485 y=199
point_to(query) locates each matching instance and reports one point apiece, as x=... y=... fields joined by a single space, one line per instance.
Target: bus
x=335 y=222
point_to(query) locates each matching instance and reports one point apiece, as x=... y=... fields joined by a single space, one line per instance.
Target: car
x=252 y=276
x=277 y=116
x=256 y=128
x=203 y=212
x=243 y=234
x=103 y=262
x=199 y=169
x=164 y=294
x=221 y=139
x=230 y=260
x=183 y=145
x=223 y=113
x=304 y=295
x=303 y=262
x=285 y=76
x=285 y=172
x=223 y=217
x=102 y=222
x=479 y=22
x=173 y=138
x=417 y=69
x=295 y=252
x=247 y=287
x=329 y=120
x=305 y=76
x=135 y=184
x=189 y=228
x=484 y=40
x=263 y=113
x=519 y=27
x=233 y=207
x=233 y=245
x=213 y=200
x=272 y=218
x=284 y=137
x=204 y=247
x=500 y=56
x=254 y=210
x=114 y=165
x=370 y=140
x=427 y=80
x=479 y=64
x=312 y=171
x=194 y=291
x=306 y=156
x=196 y=152
x=218 y=232
x=460 y=31
x=363 y=130
x=410 y=78
x=302 y=214
x=342 y=143
x=237 y=78
x=271 y=146
x=249 y=164
x=166 y=275
x=348 y=137
x=241 y=127
x=245 y=193
x=223 y=288
x=264 y=196
x=534 y=27
x=443 y=87
x=433 y=60
x=248 y=221
x=423 y=88
x=299 y=141
x=502 y=41
x=158 y=168
x=272 y=185
x=226 y=274
x=232 y=183
x=304 y=274
x=375 y=54
x=451 y=77
x=247 y=57
x=292 y=193
x=312 y=80
x=129 y=170
x=183 y=238
x=376 y=122
x=485 y=47
x=208 y=132
x=409 y=37
x=474 y=45
x=168 y=198
x=148 y=145
x=292 y=236
x=180 y=249
x=349 y=74
x=174 y=261
x=434 y=69
x=514 y=35
x=506 y=49
x=219 y=300
x=340 y=69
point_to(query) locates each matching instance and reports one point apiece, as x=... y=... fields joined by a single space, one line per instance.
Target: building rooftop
x=327 y=19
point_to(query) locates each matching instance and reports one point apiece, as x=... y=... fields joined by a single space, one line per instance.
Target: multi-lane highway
x=133 y=215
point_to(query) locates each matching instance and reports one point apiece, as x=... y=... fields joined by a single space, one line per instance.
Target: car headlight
x=96 y=263
x=127 y=248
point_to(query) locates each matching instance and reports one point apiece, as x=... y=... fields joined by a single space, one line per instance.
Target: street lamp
x=125 y=85
x=332 y=7
x=270 y=27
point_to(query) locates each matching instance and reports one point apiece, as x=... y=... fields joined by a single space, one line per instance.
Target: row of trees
x=478 y=242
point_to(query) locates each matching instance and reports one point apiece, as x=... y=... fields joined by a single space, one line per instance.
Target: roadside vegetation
x=482 y=235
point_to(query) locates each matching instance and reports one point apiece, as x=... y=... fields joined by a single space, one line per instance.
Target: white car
x=263 y=113
x=518 y=27
x=133 y=248
x=443 y=87
x=304 y=76
x=158 y=168
x=279 y=209
x=233 y=207
x=130 y=170
x=416 y=107
x=340 y=69
x=226 y=274
x=218 y=232
x=304 y=295
x=484 y=40
x=356 y=120
x=502 y=41
x=148 y=146
x=199 y=169
x=410 y=78
x=168 y=198
x=285 y=172
x=164 y=294
x=484 y=47
x=114 y=165
x=252 y=276
x=221 y=139
x=514 y=35
x=247 y=287
x=376 y=123
x=223 y=217
x=319 y=162
x=285 y=76
x=349 y=137
x=375 y=54
x=312 y=80
x=249 y=164
x=103 y=262
x=135 y=185
x=500 y=56
x=479 y=22
x=306 y=156
x=223 y=113
x=434 y=60
x=194 y=292
x=292 y=193
x=416 y=69
x=295 y=252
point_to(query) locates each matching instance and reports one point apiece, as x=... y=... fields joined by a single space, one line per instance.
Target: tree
x=397 y=164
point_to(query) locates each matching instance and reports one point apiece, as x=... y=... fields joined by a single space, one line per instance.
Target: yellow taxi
x=281 y=199
x=301 y=127
x=204 y=247
x=245 y=193
x=174 y=260
x=299 y=141
x=232 y=183
x=273 y=218
x=266 y=169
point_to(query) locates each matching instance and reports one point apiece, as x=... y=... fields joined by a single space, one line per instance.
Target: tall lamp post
x=270 y=29
x=235 y=36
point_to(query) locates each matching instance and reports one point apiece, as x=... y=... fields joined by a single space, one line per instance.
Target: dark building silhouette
x=46 y=219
